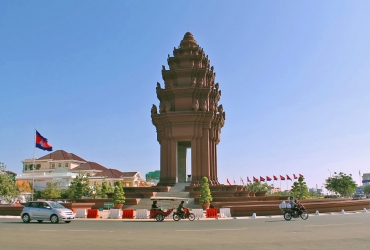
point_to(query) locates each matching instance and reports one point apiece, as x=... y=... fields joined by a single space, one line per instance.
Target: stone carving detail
x=195 y=105
x=158 y=85
x=154 y=110
x=168 y=83
x=216 y=86
x=220 y=109
x=205 y=105
x=167 y=106
x=224 y=115
x=163 y=67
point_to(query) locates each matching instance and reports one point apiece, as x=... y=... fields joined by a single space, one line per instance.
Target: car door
x=34 y=210
x=44 y=212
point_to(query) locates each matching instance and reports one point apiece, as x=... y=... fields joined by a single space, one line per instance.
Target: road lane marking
x=205 y=230
x=328 y=225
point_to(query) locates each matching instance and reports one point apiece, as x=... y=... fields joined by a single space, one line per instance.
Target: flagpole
x=33 y=167
x=280 y=185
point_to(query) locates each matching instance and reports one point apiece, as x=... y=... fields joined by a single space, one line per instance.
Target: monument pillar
x=188 y=116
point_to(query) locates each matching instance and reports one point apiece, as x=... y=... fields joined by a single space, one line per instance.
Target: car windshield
x=56 y=205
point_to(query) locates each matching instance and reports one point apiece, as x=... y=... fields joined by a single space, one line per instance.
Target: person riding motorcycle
x=180 y=209
x=294 y=205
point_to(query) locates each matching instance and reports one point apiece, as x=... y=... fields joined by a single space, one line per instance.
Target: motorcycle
x=185 y=215
x=290 y=213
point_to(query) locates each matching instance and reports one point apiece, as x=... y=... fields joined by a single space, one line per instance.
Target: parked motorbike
x=185 y=215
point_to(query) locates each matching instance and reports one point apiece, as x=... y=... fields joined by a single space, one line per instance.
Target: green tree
x=341 y=183
x=259 y=186
x=367 y=189
x=52 y=191
x=79 y=187
x=8 y=188
x=104 y=190
x=119 y=194
x=205 y=192
x=300 y=189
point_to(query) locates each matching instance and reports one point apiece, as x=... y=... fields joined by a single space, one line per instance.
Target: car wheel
x=26 y=218
x=39 y=221
x=54 y=218
x=67 y=221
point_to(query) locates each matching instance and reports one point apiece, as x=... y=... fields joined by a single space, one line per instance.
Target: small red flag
x=282 y=178
x=262 y=179
x=228 y=182
x=268 y=178
x=275 y=178
x=288 y=178
x=294 y=176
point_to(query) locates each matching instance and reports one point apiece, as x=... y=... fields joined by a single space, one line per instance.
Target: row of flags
x=274 y=177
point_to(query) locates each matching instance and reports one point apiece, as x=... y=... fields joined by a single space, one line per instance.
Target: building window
x=66 y=165
x=109 y=184
x=53 y=166
x=59 y=165
x=31 y=166
x=25 y=167
x=38 y=166
x=88 y=174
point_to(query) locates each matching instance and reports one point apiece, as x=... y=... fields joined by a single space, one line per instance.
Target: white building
x=365 y=179
x=62 y=167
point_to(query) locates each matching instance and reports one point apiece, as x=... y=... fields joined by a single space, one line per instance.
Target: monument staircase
x=178 y=190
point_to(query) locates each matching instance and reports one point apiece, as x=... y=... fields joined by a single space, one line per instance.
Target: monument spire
x=189 y=115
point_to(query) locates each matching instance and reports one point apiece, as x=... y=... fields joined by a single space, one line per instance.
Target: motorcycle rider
x=293 y=205
x=180 y=209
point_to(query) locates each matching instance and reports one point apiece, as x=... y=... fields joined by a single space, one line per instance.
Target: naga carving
x=154 y=110
x=195 y=105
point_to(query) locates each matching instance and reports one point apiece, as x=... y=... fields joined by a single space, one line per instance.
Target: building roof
x=90 y=166
x=114 y=173
x=10 y=172
x=129 y=174
x=61 y=155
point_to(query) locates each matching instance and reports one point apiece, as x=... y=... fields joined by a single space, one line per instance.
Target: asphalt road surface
x=347 y=231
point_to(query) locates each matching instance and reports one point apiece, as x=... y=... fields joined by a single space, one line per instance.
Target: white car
x=46 y=210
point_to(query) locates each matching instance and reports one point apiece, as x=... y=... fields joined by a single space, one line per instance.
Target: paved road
x=348 y=231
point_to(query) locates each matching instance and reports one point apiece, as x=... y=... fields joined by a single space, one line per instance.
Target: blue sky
x=294 y=77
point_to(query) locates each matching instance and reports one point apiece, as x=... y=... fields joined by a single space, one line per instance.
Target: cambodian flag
x=248 y=179
x=262 y=179
x=255 y=179
x=288 y=178
x=282 y=178
x=300 y=175
x=268 y=178
x=294 y=176
x=42 y=142
x=275 y=178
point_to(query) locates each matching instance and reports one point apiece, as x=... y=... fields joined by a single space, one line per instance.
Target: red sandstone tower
x=189 y=115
